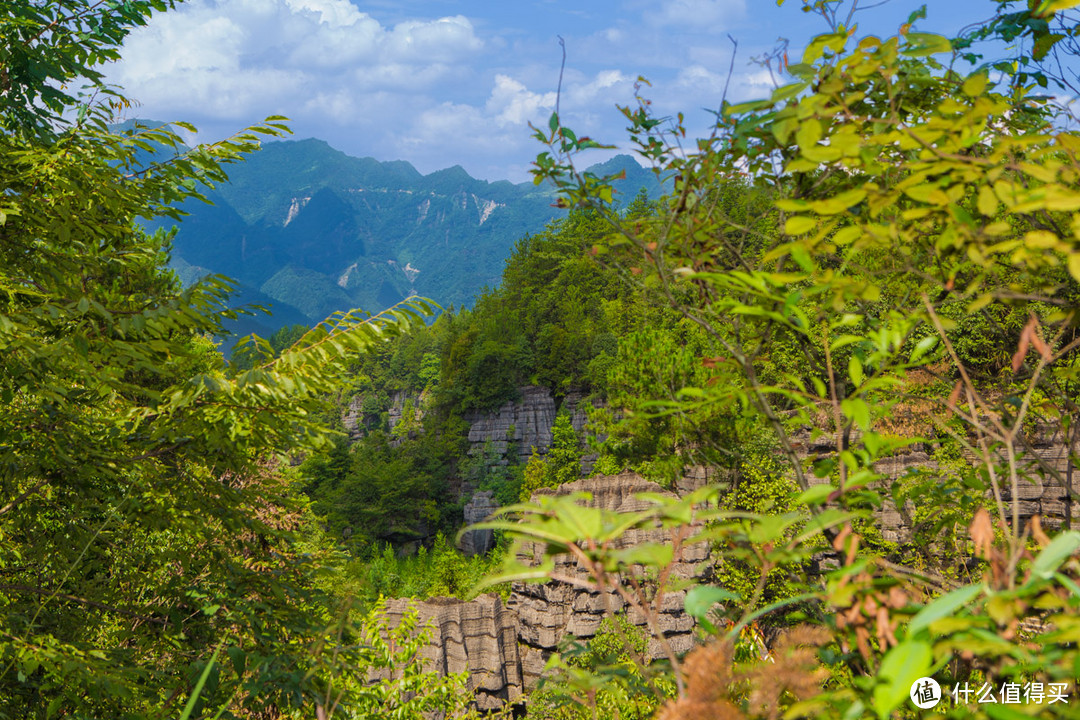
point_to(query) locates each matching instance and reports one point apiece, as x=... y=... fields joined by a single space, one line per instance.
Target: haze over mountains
x=310 y=230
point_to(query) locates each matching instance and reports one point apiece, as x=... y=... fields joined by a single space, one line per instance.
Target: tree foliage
x=922 y=231
x=143 y=523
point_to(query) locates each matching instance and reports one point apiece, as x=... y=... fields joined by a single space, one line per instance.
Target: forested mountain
x=312 y=230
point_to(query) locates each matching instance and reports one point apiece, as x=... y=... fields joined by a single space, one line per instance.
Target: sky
x=441 y=83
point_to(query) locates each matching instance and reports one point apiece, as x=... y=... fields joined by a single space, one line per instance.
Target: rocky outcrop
x=1046 y=462
x=352 y=417
x=478 y=636
x=504 y=647
x=405 y=407
x=478 y=509
x=549 y=612
x=526 y=422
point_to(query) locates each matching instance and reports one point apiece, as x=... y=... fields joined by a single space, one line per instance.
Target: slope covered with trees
x=150 y=564
x=317 y=231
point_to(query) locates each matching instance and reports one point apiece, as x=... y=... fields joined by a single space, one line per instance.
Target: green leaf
x=647 y=554
x=800 y=224
x=839 y=203
x=855 y=371
x=801 y=256
x=1006 y=712
x=699 y=600
x=942 y=607
x=922 y=44
x=1053 y=6
x=808 y=134
x=1053 y=555
x=1074 y=265
x=900 y=668
x=239 y=659
x=189 y=707
x=815 y=494
x=922 y=347
x=858 y=410
x=581 y=520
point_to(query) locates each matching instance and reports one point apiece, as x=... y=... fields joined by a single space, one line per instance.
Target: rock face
x=479 y=636
x=352 y=418
x=526 y=422
x=478 y=509
x=547 y=613
x=504 y=647
x=1047 y=462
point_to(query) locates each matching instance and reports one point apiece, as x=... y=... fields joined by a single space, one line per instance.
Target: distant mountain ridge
x=313 y=230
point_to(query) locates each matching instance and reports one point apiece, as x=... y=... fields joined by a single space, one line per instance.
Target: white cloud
x=437 y=91
x=512 y=104
x=246 y=58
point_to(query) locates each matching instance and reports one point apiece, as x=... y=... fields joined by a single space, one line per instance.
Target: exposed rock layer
x=504 y=648
x=549 y=612
x=479 y=636
x=478 y=509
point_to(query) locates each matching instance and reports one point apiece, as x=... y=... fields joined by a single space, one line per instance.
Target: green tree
x=143 y=523
x=562 y=463
x=564 y=457
x=913 y=206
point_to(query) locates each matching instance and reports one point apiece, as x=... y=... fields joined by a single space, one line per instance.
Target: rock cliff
x=1046 y=461
x=478 y=509
x=479 y=636
x=549 y=612
x=504 y=647
x=527 y=423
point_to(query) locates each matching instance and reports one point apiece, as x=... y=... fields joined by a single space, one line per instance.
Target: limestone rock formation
x=352 y=418
x=1046 y=461
x=403 y=406
x=478 y=636
x=478 y=509
x=527 y=422
x=550 y=612
x=504 y=647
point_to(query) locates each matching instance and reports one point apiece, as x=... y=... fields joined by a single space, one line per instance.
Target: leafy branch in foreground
x=920 y=224
x=144 y=518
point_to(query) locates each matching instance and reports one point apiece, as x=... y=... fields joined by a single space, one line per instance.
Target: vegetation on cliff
x=922 y=226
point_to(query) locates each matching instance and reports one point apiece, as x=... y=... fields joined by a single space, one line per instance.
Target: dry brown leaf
x=982 y=534
x=1037 y=532
x=1025 y=341
x=954 y=396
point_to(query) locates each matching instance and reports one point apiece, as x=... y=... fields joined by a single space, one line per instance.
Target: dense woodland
x=883 y=253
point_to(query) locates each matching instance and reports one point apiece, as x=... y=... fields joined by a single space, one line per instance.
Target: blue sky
x=442 y=83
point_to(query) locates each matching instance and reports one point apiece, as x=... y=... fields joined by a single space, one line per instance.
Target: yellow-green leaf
x=1053 y=6
x=855 y=371
x=988 y=203
x=975 y=85
x=839 y=203
x=809 y=133
x=799 y=224
x=1040 y=239
x=846 y=236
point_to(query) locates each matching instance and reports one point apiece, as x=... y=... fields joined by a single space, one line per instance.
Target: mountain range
x=308 y=230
